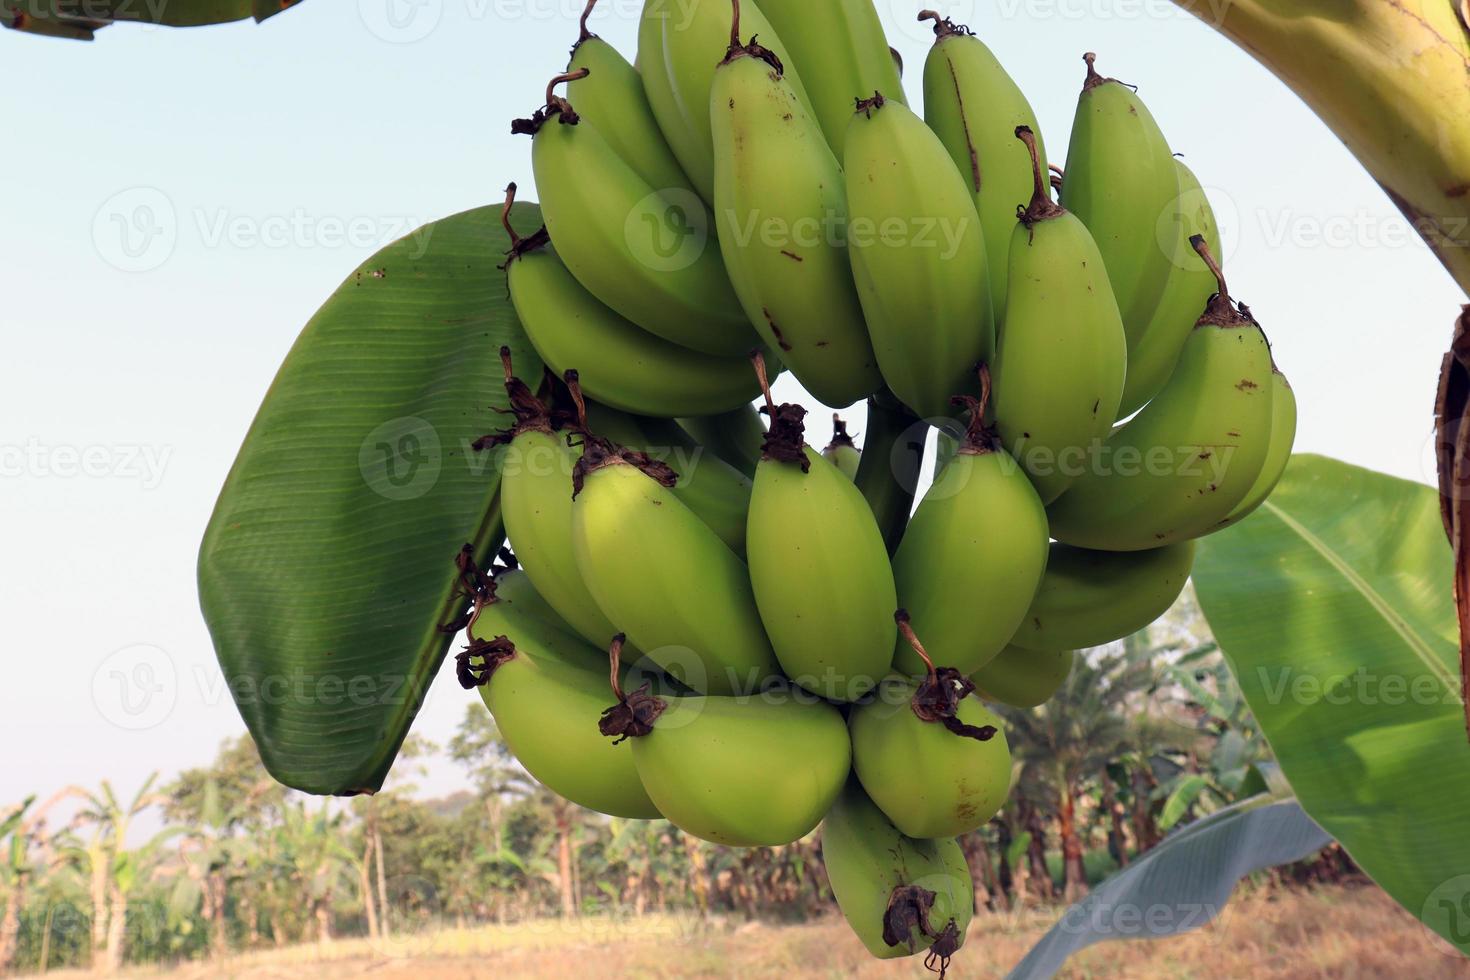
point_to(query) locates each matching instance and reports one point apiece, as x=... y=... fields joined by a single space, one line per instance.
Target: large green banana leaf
x=1183 y=883
x=1333 y=605
x=328 y=564
x=80 y=19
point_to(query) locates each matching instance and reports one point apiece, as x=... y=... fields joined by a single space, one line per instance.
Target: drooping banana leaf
x=1183 y=883
x=1333 y=606
x=81 y=19
x=327 y=567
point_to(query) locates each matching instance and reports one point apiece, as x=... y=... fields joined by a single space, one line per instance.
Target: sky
x=180 y=202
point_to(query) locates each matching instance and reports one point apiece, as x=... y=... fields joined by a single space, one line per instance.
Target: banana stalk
x=1391 y=81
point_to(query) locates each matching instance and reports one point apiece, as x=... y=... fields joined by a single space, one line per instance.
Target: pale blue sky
x=276 y=158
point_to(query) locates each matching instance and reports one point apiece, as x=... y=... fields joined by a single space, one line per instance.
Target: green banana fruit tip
x=869 y=106
x=1094 y=80
x=908 y=909
x=531 y=414
x=519 y=246
x=937 y=698
x=1042 y=207
x=599 y=453
x=476 y=663
x=750 y=49
x=785 y=440
x=1221 y=310
x=840 y=437
x=555 y=106
x=943 y=26
x=980 y=439
x=634 y=714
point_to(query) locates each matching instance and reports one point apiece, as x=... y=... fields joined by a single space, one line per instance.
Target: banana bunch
x=710 y=620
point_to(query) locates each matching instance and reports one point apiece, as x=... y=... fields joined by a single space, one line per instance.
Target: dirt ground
x=1354 y=932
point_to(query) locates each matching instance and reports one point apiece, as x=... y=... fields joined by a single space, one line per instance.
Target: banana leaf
x=327 y=566
x=81 y=19
x=1183 y=883
x=1334 y=608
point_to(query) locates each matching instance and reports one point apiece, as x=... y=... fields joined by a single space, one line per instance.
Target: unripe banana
x=611 y=97
x=662 y=575
x=974 y=107
x=536 y=503
x=680 y=43
x=1153 y=353
x=735 y=436
x=1184 y=463
x=1283 y=440
x=512 y=607
x=888 y=473
x=598 y=209
x=1024 y=678
x=547 y=707
x=1120 y=178
x=712 y=488
x=779 y=204
x=918 y=256
x=1089 y=598
x=1062 y=355
x=710 y=763
x=630 y=368
x=841 y=51
x=818 y=566
x=934 y=760
x=842 y=452
x=972 y=556
x=900 y=895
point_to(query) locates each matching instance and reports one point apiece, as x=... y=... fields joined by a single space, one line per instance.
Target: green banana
x=1089 y=598
x=900 y=895
x=735 y=436
x=536 y=500
x=973 y=554
x=974 y=107
x=680 y=43
x=918 y=256
x=717 y=492
x=778 y=195
x=841 y=51
x=818 y=566
x=547 y=706
x=756 y=771
x=515 y=609
x=1153 y=353
x=934 y=760
x=643 y=251
x=1184 y=463
x=630 y=368
x=842 y=452
x=612 y=99
x=1023 y=678
x=1120 y=178
x=661 y=574
x=1283 y=439
x=888 y=473
x=1062 y=355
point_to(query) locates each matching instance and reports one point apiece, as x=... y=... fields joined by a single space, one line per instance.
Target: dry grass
x=1331 y=933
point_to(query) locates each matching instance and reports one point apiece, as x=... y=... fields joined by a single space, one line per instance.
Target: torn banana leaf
x=81 y=19
x=328 y=565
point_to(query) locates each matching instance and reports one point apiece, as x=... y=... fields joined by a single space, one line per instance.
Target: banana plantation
x=1146 y=735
